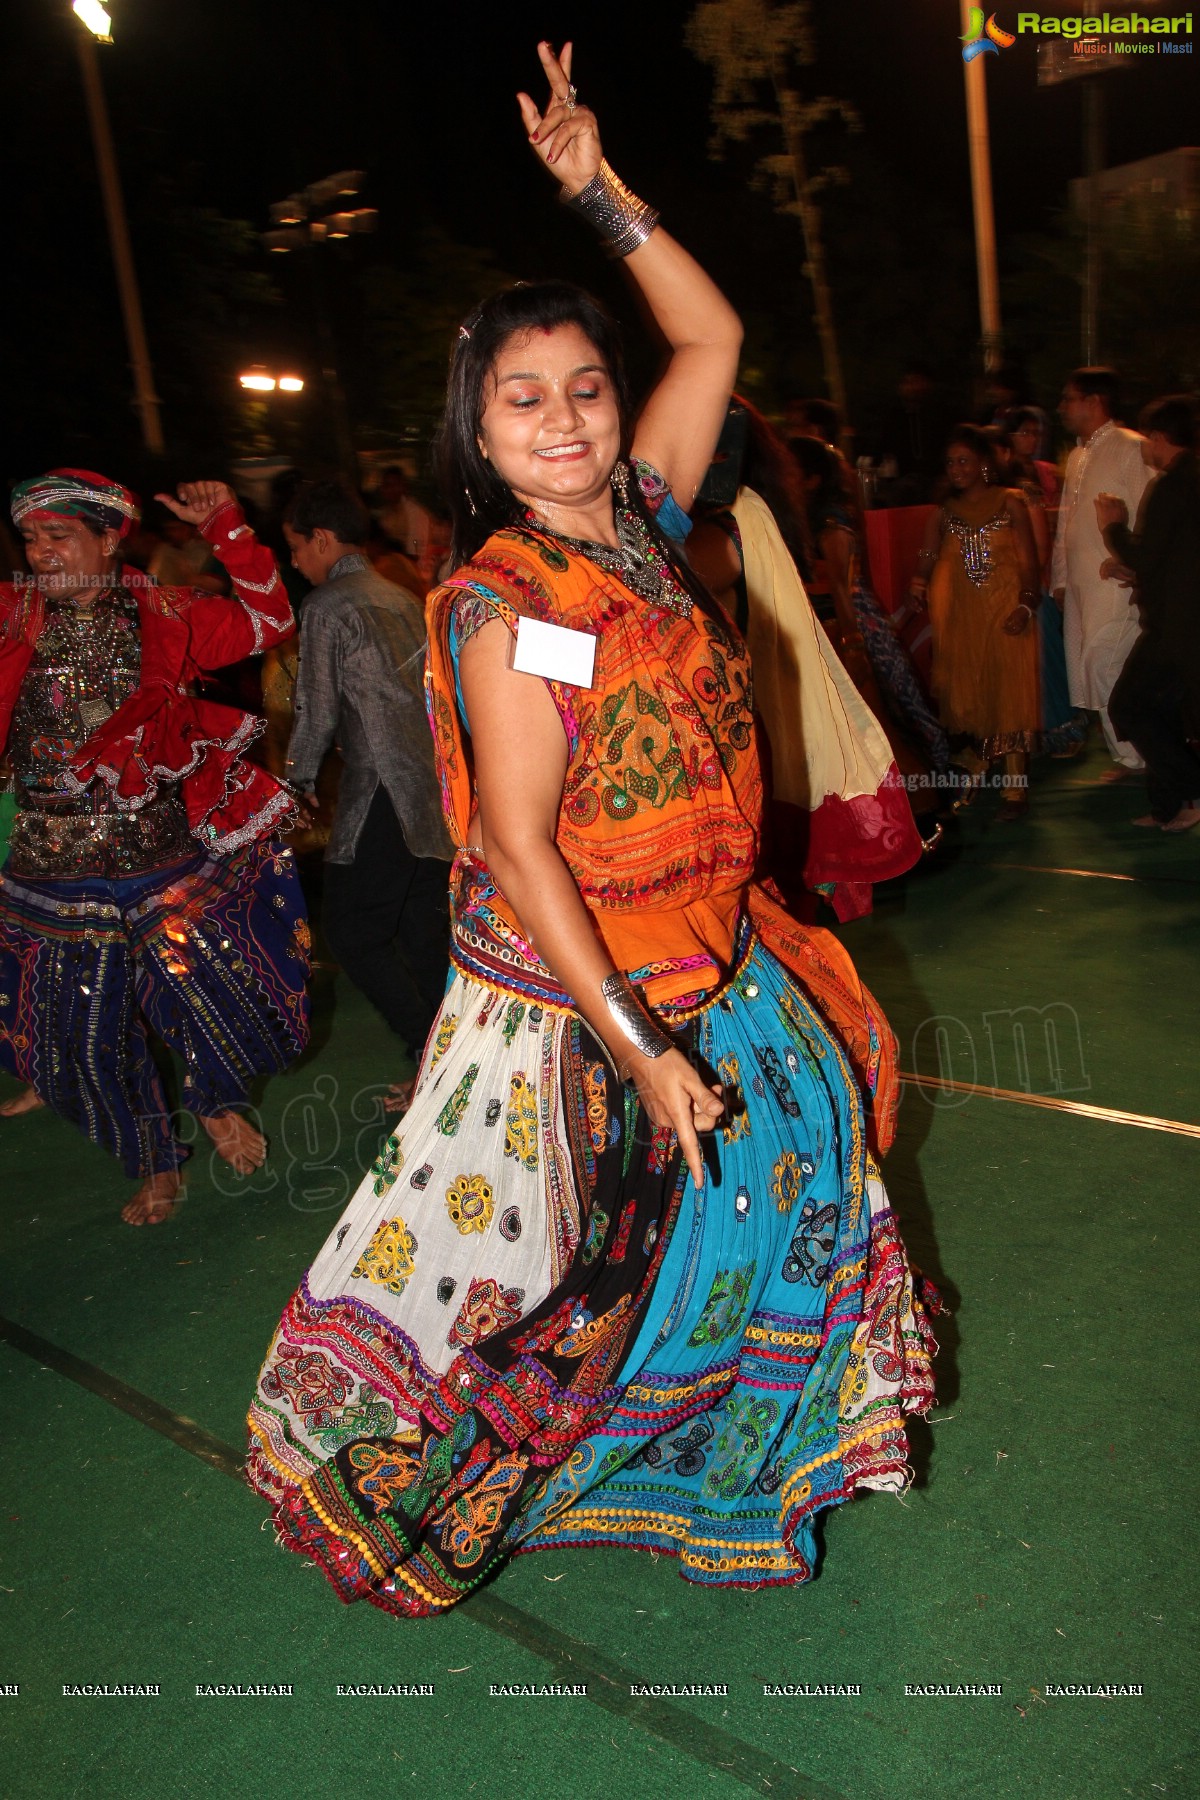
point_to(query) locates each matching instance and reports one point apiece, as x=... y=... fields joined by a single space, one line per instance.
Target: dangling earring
x=470 y=502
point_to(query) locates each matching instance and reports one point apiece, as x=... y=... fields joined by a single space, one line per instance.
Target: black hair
x=331 y=505
x=822 y=414
x=1174 y=415
x=480 y=501
x=817 y=460
x=975 y=438
x=771 y=471
x=972 y=436
x=998 y=442
x=1103 y=383
x=1022 y=470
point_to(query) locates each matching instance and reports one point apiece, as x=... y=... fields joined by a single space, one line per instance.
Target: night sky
x=242 y=103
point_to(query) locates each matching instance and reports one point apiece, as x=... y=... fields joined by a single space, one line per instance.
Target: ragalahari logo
x=985 y=39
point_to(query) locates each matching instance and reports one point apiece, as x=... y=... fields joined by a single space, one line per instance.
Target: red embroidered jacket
x=162 y=733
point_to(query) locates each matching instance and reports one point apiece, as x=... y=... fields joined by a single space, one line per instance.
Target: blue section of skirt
x=782 y=1343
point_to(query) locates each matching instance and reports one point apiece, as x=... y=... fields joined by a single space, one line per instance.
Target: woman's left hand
x=565 y=137
x=1018 y=621
x=675 y=1095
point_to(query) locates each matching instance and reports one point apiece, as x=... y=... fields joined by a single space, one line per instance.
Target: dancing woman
x=980 y=580
x=626 y=1273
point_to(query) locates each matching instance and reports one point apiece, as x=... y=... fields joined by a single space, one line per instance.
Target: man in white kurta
x=1100 y=623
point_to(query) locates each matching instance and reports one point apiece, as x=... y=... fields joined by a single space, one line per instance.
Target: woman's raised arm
x=679 y=425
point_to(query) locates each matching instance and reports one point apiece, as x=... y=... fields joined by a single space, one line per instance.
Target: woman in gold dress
x=979 y=577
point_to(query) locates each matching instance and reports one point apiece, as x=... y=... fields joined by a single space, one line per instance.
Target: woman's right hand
x=918 y=589
x=565 y=137
x=675 y=1095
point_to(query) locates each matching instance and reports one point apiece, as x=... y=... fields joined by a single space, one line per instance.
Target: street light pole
x=979 y=145
x=1093 y=162
x=145 y=398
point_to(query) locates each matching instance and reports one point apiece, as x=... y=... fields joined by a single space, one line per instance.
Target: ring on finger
x=570 y=98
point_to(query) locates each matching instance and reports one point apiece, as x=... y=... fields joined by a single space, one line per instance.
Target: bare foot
x=29 y=1101
x=1147 y=820
x=399 y=1096
x=236 y=1141
x=1184 y=819
x=155 y=1200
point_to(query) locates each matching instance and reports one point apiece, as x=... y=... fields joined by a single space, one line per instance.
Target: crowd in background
x=1003 y=617
x=975 y=646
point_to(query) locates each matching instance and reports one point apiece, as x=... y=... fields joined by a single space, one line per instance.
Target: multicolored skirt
x=531 y=1329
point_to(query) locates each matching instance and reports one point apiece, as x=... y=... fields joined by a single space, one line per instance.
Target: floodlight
x=93 y=15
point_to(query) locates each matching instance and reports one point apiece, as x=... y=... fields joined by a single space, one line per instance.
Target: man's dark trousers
x=387 y=922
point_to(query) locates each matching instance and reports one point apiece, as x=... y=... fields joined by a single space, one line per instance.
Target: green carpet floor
x=1047 y=1538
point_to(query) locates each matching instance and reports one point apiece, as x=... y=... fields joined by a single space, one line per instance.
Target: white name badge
x=555 y=653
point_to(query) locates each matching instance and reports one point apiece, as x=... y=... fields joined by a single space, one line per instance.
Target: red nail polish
x=533 y=137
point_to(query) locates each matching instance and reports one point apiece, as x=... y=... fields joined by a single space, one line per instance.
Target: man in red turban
x=144 y=890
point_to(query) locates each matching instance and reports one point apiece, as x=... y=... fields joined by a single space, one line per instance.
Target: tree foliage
x=749 y=45
x=756 y=49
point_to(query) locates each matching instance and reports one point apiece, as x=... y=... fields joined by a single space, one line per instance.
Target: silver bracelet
x=635 y=1022
x=622 y=220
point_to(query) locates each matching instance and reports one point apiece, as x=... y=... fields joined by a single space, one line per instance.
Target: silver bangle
x=631 y=1016
x=622 y=220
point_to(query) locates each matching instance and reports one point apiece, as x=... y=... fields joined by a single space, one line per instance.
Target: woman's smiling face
x=963 y=467
x=550 y=426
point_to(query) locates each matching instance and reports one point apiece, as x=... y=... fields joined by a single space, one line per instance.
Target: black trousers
x=1149 y=703
x=387 y=922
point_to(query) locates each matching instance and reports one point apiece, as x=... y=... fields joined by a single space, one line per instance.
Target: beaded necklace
x=95 y=643
x=638 y=560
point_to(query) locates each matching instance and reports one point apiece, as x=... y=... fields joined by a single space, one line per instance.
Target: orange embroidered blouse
x=662 y=801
